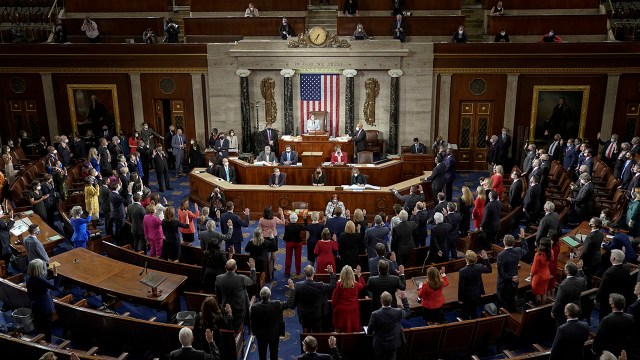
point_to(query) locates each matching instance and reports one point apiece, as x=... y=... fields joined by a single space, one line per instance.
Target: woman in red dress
x=478 y=207
x=325 y=249
x=553 y=264
x=430 y=292
x=346 y=309
x=540 y=271
x=496 y=180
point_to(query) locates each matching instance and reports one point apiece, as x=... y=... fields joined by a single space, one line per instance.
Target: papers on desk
x=54 y=238
x=27 y=221
x=18 y=228
x=359 y=187
x=570 y=241
x=28 y=212
x=341 y=139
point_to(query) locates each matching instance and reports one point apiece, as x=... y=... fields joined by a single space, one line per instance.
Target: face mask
x=38 y=188
x=503 y=34
x=230 y=134
x=136 y=135
x=37 y=232
x=460 y=32
x=319 y=172
x=192 y=142
x=221 y=137
x=288 y=151
x=146 y=128
x=210 y=164
x=334 y=201
x=551 y=33
x=613 y=140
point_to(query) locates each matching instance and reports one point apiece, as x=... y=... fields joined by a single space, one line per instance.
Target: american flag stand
x=320 y=92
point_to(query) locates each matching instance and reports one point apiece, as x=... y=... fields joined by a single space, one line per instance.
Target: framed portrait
x=558 y=109
x=92 y=106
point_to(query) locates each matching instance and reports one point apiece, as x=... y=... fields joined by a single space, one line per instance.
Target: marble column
x=610 y=99
x=50 y=105
x=443 y=106
x=510 y=103
x=245 y=109
x=198 y=108
x=288 y=101
x=349 y=101
x=136 y=99
x=394 y=111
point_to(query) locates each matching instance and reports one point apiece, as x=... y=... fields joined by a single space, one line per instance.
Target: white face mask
x=210 y=164
x=460 y=32
x=613 y=140
x=503 y=34
x=192 y=142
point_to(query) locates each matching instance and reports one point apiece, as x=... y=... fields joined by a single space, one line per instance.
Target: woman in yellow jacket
x=91 y=192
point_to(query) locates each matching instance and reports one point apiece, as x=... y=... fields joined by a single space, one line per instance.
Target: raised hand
x=227 y=310
x=332 y=343
x=358 y=270
x=392 y=257
x=246 y=211
x=442 y=271
x=252 y=263
x=290 y=284
x=402 y=295
x=209 y=335
x=401 y=269
x=330 y=269
x=483 y=254
x=230 y=223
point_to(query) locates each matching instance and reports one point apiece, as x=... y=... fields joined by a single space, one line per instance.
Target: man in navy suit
x=531 y=203
x=504 y=141
x=380 y=251
x=385 y=282
x=226 y=172
x=359 y=138
x=617 y=330
x=493 y=154
x=376 y=234
x=410 y=200
x=626 y=174
x=569 y=291
x=610 y=150
x=635 y=180
x=437 y=177
x=289 y=157
x=187 y=352
x=118 y=205
x=310 y=346
x=508 y=279
x=277 y=179
x=470 y=286
x=337 y=223
x=570 y=159
x=385 y=327
x=418 y=147
x=238 y=224
x=614 y=280
x=310 y=297
x=221 y=146
x=491 y=219
x=450 y=173
x=570 y=337
x=266 y=317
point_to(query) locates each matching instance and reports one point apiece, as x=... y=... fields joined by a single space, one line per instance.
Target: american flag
x=320 y=92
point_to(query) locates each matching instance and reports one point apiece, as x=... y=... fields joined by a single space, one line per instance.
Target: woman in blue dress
x=79 y=224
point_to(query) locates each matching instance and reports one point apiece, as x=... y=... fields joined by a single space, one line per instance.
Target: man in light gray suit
x=178 y=143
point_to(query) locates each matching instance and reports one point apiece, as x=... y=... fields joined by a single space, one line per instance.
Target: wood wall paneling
x=261 y=26
x=410 y=5
x=150 y=84
x=60 y=82
x=83 y=6
x=115 y=30
x=241 y=6
x=436 y=25
x=628 y=92
x=32 y=92
x=541 y=24
x=598 y=87
x=543 y=4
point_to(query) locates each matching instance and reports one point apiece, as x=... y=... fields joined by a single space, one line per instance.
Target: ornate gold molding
x=83 y=70
x=578 y=70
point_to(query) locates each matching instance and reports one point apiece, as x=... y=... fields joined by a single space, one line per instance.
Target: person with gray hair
x=439 y=251
x=617 y=330
x=213 y=258
x=402 y=238
x=376 y=234
x=293 y=243
x=187 y=352
x=79 y=225
x=38 y=290
x=549 y=221
x=584 y=200
x=267 y=323
x=310 y=348
x=591 y=246
x=614 y=280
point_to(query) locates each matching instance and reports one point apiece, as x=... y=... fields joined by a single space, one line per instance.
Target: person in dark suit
x=5 y=244
x=286 y=30
x=437 y=177
x=380 y=251
x=453 y=217
x=515 y=190
x=439 y=250
x=161 y=167
x=398 y=29
x=508 y=279
x=570 y=158
x=625 y=170
x=588 y=161
x=310 y=297
x=289 y=157
x=402 y=238
x=459 y=36
x=614 y=280
x=383 y=281
x=385 y=327
x=359 y=138
x=635 y=180
x=227 y=172
x=616 y=330
x=531 y=203
x=135 y=214
x=168 y=138
x=569 y=291
x=549 y=221
x=238 y=224
x=178 y=145
x=570 y=337
x=374 y=235
x=420 y=216
x=590 y=254
x=504 y=141
x=555 y=147
x=357 y=178
x=105 y=158
x=267 y=156
x=115 y=150
x=418 y=147
x=266 y=322
x=231 y=288
x=79 y=146
x=528 y=159
x=493 y=154
x=187 y=352
x=415 y=194
x=38 y=290
x=310 y=346
x=449 y=173
x=470 y=285
x=491 y=219
x=118 y=204
x=270 y=137
x=212 y=168
x=221 y=146
x=584 y=201
x=610 y=150
x=277 y=179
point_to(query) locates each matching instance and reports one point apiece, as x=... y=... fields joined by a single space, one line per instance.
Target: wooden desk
x=412 y=5
x=317 y=143
x=260 y=26
x=46 y=232
x=540 y=24
x=380 y=26
x=240 y=7
x=102 y=274
x=416 y=164
x=385 y=174
x=565 y=250
x=257 y=197
x=451 y=292
x=544 y=4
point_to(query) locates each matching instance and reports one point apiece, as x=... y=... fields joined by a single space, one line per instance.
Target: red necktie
x=610 y=150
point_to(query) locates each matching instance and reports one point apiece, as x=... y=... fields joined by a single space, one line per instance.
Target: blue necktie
x=226 y=170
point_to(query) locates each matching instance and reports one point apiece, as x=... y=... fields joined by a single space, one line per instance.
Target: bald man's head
x=231 y=265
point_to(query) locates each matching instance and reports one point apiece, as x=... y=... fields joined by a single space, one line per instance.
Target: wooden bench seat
x=543 y=4
x=380 y=26
x=240 y=26
x=240 y=7
x=115 y=30
x=532 y=321
x=531 y=28
x=21 y=348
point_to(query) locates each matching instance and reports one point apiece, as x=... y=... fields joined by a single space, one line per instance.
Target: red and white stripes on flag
x=320 y=92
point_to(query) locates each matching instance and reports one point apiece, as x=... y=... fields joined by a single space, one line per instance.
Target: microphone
x=143 y=269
